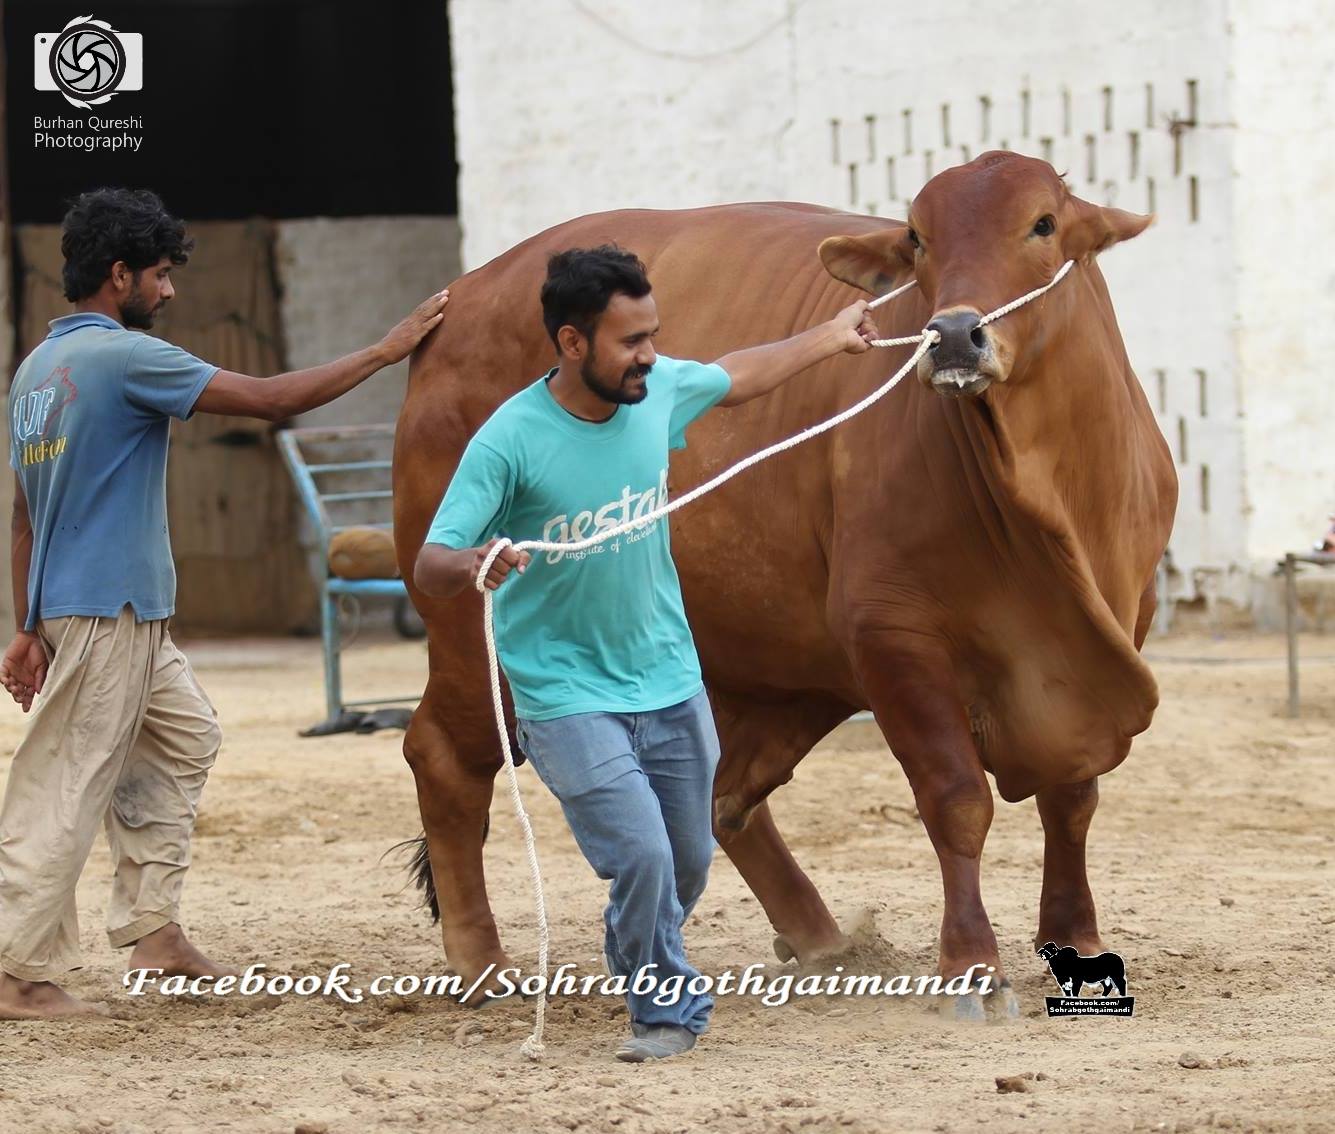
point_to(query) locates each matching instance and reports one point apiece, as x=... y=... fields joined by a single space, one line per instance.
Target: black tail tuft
x=419 y=866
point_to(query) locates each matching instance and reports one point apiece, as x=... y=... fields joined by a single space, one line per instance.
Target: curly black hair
x=106 y=225
x=581 y=283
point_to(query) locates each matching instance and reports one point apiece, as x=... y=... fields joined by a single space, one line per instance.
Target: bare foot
x=170 y=950
x=41 y=1000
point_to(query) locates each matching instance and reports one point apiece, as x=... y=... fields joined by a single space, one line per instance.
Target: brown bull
x=972 y=559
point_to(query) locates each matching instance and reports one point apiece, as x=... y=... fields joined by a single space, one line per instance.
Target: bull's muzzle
x=962 y=362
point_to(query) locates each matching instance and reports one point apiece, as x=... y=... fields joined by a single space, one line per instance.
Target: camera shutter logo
x=88 y=61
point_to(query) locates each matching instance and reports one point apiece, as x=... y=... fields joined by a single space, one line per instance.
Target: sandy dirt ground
x=1211 y=862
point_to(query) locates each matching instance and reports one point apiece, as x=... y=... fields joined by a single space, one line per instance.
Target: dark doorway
x=274 y=108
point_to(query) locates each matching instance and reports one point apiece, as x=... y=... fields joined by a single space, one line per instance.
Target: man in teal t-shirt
x=610 y=706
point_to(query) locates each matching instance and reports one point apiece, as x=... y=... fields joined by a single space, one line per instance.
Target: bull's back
x=724 y=278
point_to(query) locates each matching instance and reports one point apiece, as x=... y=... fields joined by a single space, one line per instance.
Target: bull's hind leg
x=761 y=743
x=454 y=779
x=1066 y=909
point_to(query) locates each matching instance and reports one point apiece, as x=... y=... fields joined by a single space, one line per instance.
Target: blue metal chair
x=311 y=478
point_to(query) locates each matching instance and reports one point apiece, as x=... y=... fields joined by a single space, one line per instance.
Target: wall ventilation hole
x=927 y=165
x=1091 y=154
x=1205 y=488
x=1191 y=102
x=1026 y=101
x=1182 y=440
x=1194 y=192
x=945 y=124
x=1107 y=109
x=1149 y=106
x=853 y=184
x=1045 y=147
x=1162 y=377
x=1133 y=157
x=890 y=190
x=871 y=137
x=1066 y=112
x=908 y=131
x=984 y=118
x=1201 y=389
x=834 y=140
x=1149 y=195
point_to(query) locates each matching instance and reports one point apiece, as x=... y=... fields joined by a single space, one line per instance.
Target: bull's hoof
x=1005 y=1004
x=969 y=1008
x=998 y=1005
x=836 y=948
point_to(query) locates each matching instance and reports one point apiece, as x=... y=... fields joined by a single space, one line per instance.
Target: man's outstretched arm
x=286 y=395
x=758 y=370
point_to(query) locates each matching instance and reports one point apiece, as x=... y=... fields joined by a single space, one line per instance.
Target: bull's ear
x=1087 y=230
x=876 y=263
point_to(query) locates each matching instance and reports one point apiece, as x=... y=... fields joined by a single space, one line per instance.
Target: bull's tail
x=419 y=867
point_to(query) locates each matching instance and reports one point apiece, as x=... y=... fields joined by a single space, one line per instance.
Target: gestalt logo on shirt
x=630 y=505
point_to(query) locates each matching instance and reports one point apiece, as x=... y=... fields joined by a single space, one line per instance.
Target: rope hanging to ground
x=533 y=1045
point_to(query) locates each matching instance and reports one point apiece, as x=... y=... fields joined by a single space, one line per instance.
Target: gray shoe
x=655 y=1042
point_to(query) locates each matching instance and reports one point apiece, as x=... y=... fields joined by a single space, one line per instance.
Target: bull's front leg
x=761 y=744
x=1066 y=909
x=454 y=790
x=914 y=696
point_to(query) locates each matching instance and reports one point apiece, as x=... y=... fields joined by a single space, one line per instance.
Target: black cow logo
x=1074 y=972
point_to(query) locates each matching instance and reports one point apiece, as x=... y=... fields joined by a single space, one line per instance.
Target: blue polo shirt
x=89 y=419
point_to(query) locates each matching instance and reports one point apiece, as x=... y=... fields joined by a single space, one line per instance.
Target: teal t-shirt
x=89 y=427
x=600 y=630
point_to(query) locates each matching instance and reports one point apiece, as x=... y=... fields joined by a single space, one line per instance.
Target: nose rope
x=990 y=317
x=533 y=1046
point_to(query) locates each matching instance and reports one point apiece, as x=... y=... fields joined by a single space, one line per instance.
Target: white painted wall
x=570 y=106
x=1284 y=250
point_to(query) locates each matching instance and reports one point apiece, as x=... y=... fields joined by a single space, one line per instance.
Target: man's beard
x=138 y=314
x=618 y=394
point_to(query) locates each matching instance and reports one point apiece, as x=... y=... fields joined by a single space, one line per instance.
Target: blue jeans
x=636 y=789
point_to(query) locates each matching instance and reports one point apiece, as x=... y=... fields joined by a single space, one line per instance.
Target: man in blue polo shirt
x=610 y=706
x=123 y=734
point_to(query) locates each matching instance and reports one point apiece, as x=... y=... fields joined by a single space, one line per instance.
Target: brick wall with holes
x=1208 y=113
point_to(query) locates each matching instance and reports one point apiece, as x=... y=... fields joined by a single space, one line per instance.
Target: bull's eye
x=1045 y=225
x=913 y=238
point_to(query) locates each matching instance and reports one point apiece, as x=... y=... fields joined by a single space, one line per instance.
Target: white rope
x=1014 y=303
x=533 y=1046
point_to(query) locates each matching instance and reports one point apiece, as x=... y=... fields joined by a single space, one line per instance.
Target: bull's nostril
x=977 y=337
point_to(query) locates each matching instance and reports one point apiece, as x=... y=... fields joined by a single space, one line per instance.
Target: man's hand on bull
x=855 y=327
x=508 y=560
x=286 y=395
x=403 y=338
